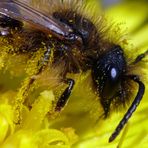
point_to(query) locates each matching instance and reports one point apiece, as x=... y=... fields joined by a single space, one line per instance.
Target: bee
x=73 y=41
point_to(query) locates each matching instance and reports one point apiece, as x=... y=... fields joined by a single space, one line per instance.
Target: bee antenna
x=131 y=109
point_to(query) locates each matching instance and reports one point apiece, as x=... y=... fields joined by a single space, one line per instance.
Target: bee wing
x=22 y=12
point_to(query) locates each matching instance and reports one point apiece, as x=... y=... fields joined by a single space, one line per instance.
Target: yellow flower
x=33 y=131
x=79 y=125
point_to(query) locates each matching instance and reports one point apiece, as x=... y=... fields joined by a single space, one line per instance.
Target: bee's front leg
x=140 y=57
x=65 y=95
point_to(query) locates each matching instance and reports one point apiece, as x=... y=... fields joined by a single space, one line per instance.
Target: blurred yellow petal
x=131 y=14
x=29 y=134
x=140 y=38
x=51 y=138
x=4 y=128
x=6 y=121
x=40 y=108
x=21 y=139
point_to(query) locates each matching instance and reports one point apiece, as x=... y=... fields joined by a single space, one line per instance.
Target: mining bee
x=75 y=43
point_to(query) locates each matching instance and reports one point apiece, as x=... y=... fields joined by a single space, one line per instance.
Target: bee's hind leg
x=65 y=95
x=26 y=85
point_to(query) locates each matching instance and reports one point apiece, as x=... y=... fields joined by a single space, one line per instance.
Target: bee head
x=111 y=79
x=108 y=72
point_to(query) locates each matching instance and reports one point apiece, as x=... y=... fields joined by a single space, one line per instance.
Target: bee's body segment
x=71 y=40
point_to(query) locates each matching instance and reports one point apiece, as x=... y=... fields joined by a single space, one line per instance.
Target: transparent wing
x=20 y=11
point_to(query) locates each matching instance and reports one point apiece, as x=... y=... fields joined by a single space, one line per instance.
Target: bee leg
x=106 y=104
x=26 y=86
x=140 y=57
x=106 y=107
x=65 y=95
x=46 y=56
x=132 y=108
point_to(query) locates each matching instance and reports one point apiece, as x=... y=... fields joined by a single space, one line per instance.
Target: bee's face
x=109 y=70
